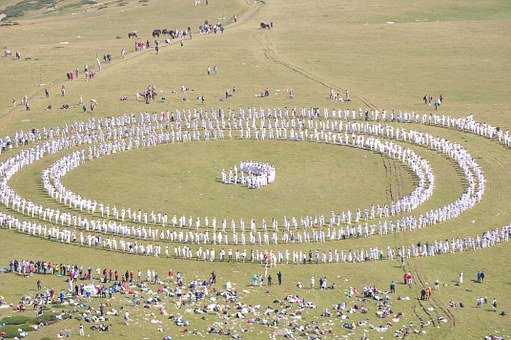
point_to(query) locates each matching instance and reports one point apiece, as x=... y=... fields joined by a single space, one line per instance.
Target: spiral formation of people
x=139 y=148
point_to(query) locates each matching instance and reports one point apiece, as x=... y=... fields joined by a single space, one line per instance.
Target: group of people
x=76 y=273
x=25 y=102
x=230 y=92
x=208 y=28
x=151 y=130
x=323 y=283
x=88 y=72
x=200 y=2
x=148 y=94
x=264 y=93
x=101 y=284
x=407 y=203
x=52 y=183
x=254 y=175
x=337 y=97
x=212 y=70
x=91 y=290
x=96 y=309
x=436 y=102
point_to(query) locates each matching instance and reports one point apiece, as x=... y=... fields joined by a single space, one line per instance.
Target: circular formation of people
x=307 y=239
x=254 y=175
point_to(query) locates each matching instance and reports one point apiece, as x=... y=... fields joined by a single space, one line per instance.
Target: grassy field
x=389 y=54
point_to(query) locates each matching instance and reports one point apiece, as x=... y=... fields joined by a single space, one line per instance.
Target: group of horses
x=156 y=33
x=172 y=33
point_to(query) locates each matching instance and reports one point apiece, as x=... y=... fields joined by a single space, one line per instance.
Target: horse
x=264 y=25
x=7 y=53
x=156 y=33
x=133 y=34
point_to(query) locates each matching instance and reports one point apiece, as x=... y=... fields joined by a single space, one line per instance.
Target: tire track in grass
x=395 y=176
x=388 y=177
x=390 y=172
x=437 y=305
x=271 y=54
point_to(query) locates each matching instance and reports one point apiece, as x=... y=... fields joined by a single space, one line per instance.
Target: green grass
x=21 y=7
x=11 y=325
x=457 y=48
x=16 y=320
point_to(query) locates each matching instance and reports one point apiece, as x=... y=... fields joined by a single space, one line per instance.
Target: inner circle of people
x=66 y=164
x=251 y=174
x=106 y=136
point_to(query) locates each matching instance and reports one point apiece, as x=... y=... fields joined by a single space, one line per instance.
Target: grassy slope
x=454 y=48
